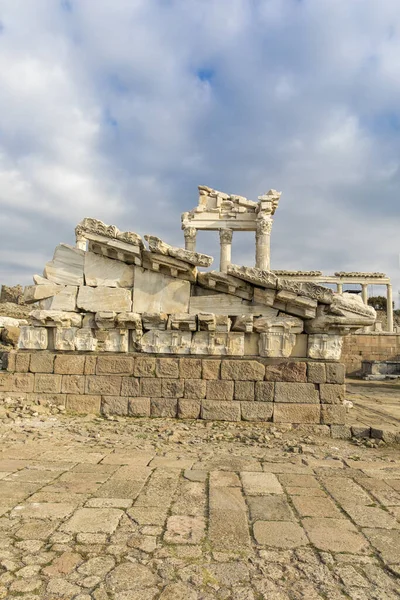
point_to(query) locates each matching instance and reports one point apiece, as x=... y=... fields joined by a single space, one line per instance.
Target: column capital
x=225 y=236
x=190 y=233
x=263 y=226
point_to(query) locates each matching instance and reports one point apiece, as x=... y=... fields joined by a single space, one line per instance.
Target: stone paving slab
x=125 y=510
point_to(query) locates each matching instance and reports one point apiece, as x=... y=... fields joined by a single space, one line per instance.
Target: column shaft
x=364 y=293
x=263 y=244
x=339 y=288
x=225 y=238
x=389 y=307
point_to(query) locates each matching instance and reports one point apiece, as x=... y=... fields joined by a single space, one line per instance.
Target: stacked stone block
x=296 y=392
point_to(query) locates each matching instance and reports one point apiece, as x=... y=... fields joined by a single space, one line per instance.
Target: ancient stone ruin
x=143 y=331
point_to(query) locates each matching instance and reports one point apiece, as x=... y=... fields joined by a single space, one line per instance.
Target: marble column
x=389 y=307
x=190 y=238
x=364 y=293
x=263 y=240
x=225 y=238
x=339 y=288
x=81 y=242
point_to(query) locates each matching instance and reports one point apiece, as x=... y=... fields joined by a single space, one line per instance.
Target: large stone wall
x=367 y=346
x=280 y=391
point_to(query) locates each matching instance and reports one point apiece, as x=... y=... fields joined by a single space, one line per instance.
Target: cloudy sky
x=118 y=109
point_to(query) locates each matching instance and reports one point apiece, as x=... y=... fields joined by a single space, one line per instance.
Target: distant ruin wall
x=367 y=346
x=279 y=391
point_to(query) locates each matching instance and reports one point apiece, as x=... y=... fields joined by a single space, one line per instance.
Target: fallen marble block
x=217 y=344
x=226 y=304
x=55 y=318
x=66 y=268
x=154 y=321
x=11 y=322
x=264 y=296
x=64 y=300
x=325 y=347
x=169 y=266
x=243 y=323
x=40 y=280
x=112 y=340
x=310 y=290
x=166 y=342
x=98 y=299
x=222 y=323
x=265 y=279
x=129 y=320
x=33 y=338
x=34 y=293
x=206 y=322
x=182 y=322
x=64 y=338
x=105 y=319
x=276 y=344
x=194 y=258
x=279 y=324
x=85 y=340
x=221 y=282
x=158 y=293
x=103 y=271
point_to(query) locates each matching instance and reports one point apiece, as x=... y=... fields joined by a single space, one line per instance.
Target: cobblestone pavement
x=164 y=510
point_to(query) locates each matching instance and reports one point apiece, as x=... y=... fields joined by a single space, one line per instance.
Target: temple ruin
x=117 y=298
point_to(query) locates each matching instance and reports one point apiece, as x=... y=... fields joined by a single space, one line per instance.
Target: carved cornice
x=97 y=227
x=374 y=275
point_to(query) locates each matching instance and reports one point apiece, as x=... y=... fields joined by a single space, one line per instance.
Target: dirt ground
x=124 y=509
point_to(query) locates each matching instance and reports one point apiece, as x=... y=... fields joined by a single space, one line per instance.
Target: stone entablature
x=296 y=392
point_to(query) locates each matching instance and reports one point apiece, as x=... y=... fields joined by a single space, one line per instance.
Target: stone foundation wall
x=366 y=346
x=280 y=391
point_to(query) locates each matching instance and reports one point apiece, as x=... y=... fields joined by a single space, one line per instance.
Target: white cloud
x=119 y=109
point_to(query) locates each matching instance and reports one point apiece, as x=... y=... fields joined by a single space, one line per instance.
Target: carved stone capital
x=263 y=226
x=190 y=233
x=225 y=236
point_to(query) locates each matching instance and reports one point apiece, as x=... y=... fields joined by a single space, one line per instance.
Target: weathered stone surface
x=139 y=407
x=220 y=390
x=167 y=367
x=113 y=340
x=307 y=289
x=335 y=373
x=188 y=408
x=264 y=279
x=264 y=296
x=66 y=268
x=195 y=258
x=129 y=576
x=85 y=340
x=276 y=344
x=182 y=322
x=244 y=390
x=163 y=407
x=114 y=365
x=42 y=362
x=93 y=520
x=243 y=323
x=324 y=346
x=264 y=391
x=104 y=299
x=33 y=338
x=83 y=404
x=47 y=383
x=195 y=389
x=34 y=293
x=64 y=338
x=228 y=305
x=172 y=388
x=334 y=535
x=158 y=293
x=190 y=368
x=206 y=321
x=279 y=534
x=102 y=271
x=228 y=534
x=316 y=372
x=171 y=267
x=144 y=367
x=333 y=415
x=332 y=393
x=64 y=300
x=114 y=405
x=211 y=369
x=244 y=370
x=272 y=507
x=73 y=384
x=68 y=364
x=386 y=542
x=296 y=413
x=230 y=344
x=130 y=386
x=303 y=393
x=182 y=529
x=225 y=284
x=220 y=411
x=109 y=385
x=257 y=411
x=295 y=372
x=55 y=318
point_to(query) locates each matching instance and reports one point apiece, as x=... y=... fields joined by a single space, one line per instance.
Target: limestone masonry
x=113 y=294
